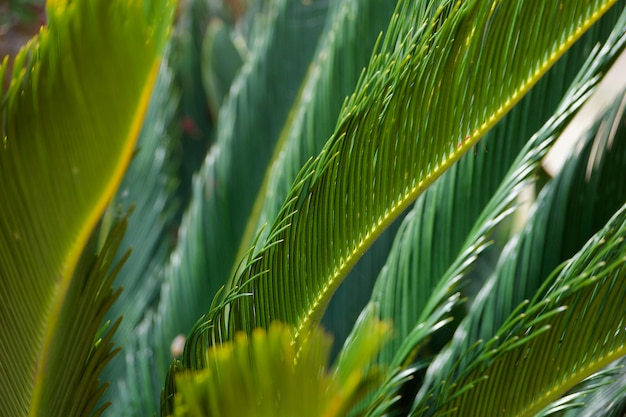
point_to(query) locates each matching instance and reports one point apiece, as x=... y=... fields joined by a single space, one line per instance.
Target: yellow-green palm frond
x=69 y=120
x=236 y=380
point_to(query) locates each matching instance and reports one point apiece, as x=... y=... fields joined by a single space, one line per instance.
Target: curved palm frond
x=521 y=274
x=339 y=59
x=426 y=71
x=343 y=51
x=445 y=232
x=60 y=163
x=582 y=312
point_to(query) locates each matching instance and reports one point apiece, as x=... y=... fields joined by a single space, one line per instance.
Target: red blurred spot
x=188 y=125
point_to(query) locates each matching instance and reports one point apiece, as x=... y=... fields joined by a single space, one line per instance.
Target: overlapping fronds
x=446 y=212
x=69 y=121
x=445 y=231
x=526 y=262
x=338 y=62
x=413 y=114
x=344 y=49
x=582 y=310
x=236 y=381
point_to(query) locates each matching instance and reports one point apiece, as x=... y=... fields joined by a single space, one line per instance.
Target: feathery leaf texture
x=352 y=28
x=603 y=394
x=582 y=310
x=60 y=162
x=341 y=202
x=525 y=265
x=445 y=230
x=423 y=273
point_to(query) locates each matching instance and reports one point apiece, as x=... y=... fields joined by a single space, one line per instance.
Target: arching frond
x=413 y=283
x=445 y=231
x=344 y=49
x=68 y=123
x=582 y=310
x=401 y=121
x=520 y=276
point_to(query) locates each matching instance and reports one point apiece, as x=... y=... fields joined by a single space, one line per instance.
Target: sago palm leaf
x=581 y=312
x=352 y=28
x=445 y=224
x=525 y=264
x=424 y=100
x=603 y=389
x=445 y=232
x=70 y=118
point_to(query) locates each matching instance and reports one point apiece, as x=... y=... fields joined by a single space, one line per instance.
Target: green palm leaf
x=521 y=275
x=445 y=232
x=345 y=47
x=584 y=308
x=343 y=201
x=604 y=394
x=60 y=161
x=599 y=394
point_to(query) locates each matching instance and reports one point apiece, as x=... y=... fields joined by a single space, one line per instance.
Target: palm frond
x=606 y=396
x=81 y=348
x=521 y=274
x=61 y=161
x=344 y=49
x=445 y=232
x=340 y=203
x=597 y=395
x=584 y=307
